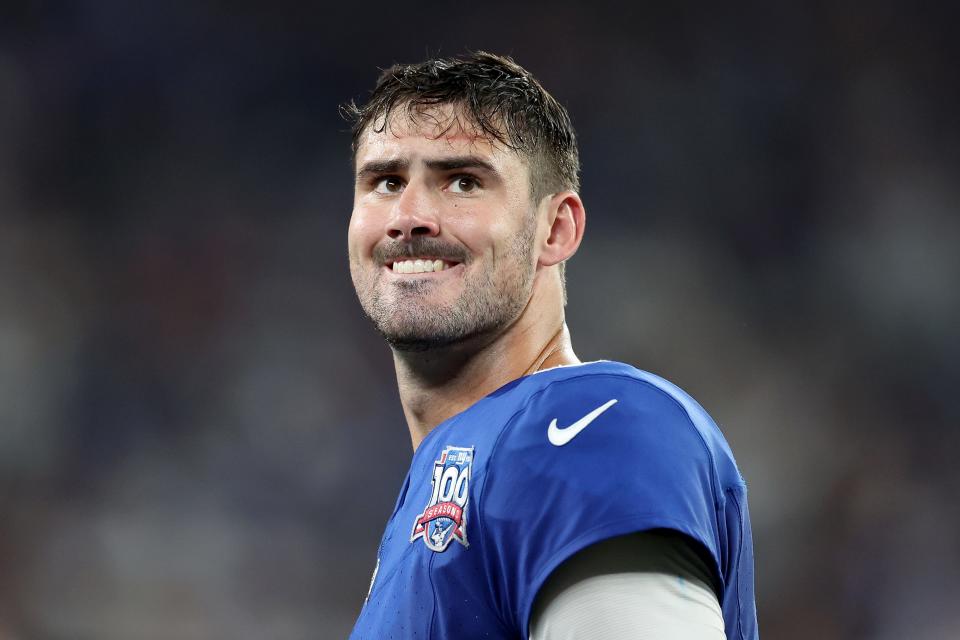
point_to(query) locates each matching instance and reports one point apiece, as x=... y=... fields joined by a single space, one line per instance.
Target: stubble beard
x=490 y=301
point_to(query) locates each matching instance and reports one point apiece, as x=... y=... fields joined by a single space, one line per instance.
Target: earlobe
x=566 y=219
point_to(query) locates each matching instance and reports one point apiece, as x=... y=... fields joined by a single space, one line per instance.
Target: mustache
x=419 y=246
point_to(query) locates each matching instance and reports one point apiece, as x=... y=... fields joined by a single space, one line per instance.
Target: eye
x=389 y=184
x=464 y=184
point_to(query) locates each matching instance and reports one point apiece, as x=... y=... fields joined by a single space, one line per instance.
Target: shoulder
x=592 y=452
x=610 y=408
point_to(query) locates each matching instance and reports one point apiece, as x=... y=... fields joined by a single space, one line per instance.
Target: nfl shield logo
x=445 y=517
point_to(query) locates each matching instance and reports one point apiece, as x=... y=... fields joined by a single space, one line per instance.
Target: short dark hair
x=501 y=98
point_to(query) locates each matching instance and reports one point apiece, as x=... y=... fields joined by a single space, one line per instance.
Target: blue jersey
x=501 y=494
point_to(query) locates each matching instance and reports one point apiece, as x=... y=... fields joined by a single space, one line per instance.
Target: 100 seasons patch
x=445 y=517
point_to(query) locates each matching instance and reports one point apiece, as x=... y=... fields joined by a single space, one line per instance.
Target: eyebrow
x=460 y=162
x=380 y=167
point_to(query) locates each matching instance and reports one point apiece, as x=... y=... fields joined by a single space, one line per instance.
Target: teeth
x=419 y=266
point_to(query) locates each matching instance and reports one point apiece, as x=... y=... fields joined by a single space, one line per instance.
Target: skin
x=497 y=313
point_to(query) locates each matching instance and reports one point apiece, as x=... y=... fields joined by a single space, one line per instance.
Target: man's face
x=442 y=232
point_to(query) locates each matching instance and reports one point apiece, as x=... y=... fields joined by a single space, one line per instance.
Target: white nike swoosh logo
x=559 y=437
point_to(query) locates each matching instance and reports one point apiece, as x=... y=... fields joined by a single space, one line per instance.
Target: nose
x=414 y=214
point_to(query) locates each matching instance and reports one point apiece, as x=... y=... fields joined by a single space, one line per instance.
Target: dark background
x=200 y=435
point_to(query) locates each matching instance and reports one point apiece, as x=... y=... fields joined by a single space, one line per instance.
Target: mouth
x=420 y=265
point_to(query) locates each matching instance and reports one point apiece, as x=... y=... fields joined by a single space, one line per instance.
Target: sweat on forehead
x=435 y=122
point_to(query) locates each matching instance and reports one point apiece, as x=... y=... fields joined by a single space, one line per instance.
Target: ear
x=566 y=220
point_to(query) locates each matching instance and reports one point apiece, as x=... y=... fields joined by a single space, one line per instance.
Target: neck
x=438 y=384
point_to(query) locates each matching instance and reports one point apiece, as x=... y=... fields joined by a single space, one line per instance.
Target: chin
x=421 y=338
x=418 y=342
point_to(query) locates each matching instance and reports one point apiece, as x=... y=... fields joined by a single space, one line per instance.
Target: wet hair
x=498 y=97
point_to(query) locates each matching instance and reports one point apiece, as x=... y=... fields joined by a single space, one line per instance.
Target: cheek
x=360 y=234
x=481 y=230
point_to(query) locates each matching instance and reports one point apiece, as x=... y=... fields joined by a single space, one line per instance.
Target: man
x=546 y=498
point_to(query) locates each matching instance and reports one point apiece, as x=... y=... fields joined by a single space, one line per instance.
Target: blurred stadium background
x=199 y=433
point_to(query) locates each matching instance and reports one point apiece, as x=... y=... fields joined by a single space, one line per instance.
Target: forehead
x=434 y=132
